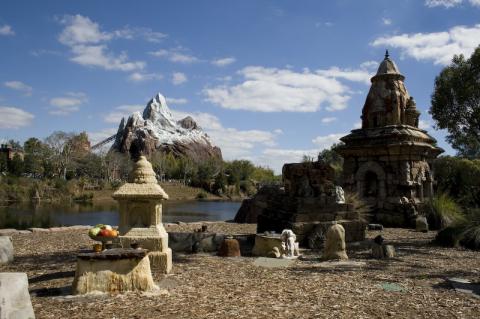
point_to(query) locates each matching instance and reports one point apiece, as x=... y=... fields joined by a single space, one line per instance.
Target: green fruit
x=94 y=231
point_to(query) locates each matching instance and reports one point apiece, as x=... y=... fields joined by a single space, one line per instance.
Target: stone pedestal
x=265 y=244
x=141 y=215
x=113 y=271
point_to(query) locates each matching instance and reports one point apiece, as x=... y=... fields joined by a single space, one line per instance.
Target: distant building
x=10 y=152
x=389 y=160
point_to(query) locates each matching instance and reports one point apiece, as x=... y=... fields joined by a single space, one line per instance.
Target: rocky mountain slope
x=156 y=130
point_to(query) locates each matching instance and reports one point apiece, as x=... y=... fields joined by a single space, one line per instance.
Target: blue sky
x=268 y=80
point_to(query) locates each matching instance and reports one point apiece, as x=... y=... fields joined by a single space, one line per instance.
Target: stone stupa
x=388 y=161
x=140 y=202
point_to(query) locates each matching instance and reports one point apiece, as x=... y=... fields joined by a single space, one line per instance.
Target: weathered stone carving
x=289 y=244
x=339 y=195
x=335 y=247
x=389 y=157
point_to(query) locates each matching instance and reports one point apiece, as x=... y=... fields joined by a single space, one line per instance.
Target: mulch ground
x=207 y=286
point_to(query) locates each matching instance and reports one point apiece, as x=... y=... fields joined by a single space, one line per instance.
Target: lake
x=26 y=215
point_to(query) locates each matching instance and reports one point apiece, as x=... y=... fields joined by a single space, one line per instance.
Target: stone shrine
x=141 y=215
x=388 y=161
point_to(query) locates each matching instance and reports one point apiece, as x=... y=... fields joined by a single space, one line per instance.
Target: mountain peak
x=158 y=112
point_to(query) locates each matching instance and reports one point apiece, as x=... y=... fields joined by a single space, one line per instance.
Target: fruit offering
x=102 y=230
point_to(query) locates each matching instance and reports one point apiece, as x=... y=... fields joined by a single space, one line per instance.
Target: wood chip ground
x=207 y=286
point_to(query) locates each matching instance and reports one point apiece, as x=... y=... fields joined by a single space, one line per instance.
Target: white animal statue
x=289 y=244
x=339 y=195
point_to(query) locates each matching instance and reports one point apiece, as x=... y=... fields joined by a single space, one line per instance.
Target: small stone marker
x=375 y=227
x=421 y=224
x=15 y=301
x=335 y=247
x=6 y=249
x=229 y=248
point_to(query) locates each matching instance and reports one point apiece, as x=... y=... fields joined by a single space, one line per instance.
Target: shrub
x=202 y=195
x=358 y=205
x=443 y=211
x=465 y=232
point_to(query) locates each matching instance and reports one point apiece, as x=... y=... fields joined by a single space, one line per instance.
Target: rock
x=39 y=230
x=274 y=253
x=265 y=244
x=15 y=301
x=375 y=227
x=377 y=251
x=380 y=251
x=389 y=251
x=335 y=247
x=6 y=250
x=421 y=224
x=156 y=130
x=379 y=240
x=229 y=248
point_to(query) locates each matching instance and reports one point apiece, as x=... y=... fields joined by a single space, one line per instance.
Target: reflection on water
x=26 y=215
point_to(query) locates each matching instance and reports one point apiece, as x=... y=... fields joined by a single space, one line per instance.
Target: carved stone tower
x=388 y=160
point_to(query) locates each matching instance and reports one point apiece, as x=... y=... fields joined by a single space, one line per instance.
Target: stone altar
x=113 y=271
x=390 y=157
x=141 y=215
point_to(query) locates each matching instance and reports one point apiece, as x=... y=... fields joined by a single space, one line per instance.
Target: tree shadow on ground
x=52 y=276
x=51 y=292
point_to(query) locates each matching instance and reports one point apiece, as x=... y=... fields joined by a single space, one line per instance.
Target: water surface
x=25 y=215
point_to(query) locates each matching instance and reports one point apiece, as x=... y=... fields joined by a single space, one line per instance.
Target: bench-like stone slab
x=15 y=301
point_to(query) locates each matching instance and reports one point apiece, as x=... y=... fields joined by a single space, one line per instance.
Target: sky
x=269 y=81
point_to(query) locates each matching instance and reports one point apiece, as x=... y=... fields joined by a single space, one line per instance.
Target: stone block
x=229 y=248
x=335 y=247
x=264 y=244
x=181 y=242
x=8 y=232
x=6 y=249
x=421 y=224
x=161 y=261
x=15 y=301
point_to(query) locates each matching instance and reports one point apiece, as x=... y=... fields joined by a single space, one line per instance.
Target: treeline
x=65 y=157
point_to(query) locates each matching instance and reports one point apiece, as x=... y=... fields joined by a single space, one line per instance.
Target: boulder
x=375 y=227
x=6 y=249
x=316 y=239
x=382 y=251
x=15 y=301
x=335 y=247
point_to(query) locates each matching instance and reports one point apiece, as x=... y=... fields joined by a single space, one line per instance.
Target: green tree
x=62 y=151
x=36 y=157
x=456 y=103
x=15 y=165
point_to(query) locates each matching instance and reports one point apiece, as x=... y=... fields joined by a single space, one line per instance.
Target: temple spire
x=386 y=54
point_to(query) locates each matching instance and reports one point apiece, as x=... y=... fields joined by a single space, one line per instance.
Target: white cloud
x=14 y=118
x=172 y=100
x=326 y=120
x=19 y=86
x=275 y=158
x=387 y=21
x=179 y=78
x=175 y=55
x=141 y=77
x=86 y=41
x=424 y=125
x=67 y=104
x=145 y=33
x=6 y=30
x=438 y=47
x=369 y=65
x=122 y=111
x=357 y=125
x=359 y=75
x=224 y=61
x=442 y=3
x=475 y=3
x=324 y=142
x=275 y=90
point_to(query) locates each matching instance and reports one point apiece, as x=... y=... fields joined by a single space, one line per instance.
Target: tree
x=456 y=103
x=36 y=157
x=63 y=149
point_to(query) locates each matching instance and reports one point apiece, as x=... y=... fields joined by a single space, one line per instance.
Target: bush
x=465 y=232
x=359 y=206
x=443 y=211
x=202 y=195
x=85 y=197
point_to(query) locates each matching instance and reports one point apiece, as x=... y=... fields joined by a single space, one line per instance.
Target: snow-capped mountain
x=156 y=129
